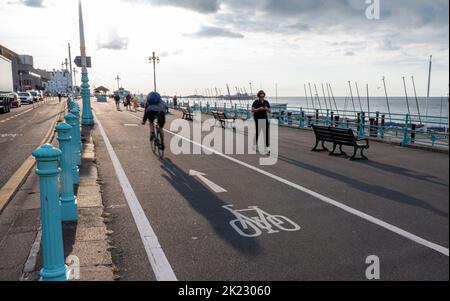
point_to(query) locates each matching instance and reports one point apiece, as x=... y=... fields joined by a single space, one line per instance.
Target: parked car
x=16 y=103
x=26 y=97
x=35 y=95
x=5 y=103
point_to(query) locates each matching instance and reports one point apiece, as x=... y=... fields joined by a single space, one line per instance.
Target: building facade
x=60 y=82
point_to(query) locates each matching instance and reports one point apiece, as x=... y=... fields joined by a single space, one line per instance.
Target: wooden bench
x=187 y=114
x=340 y=137
x=223 y=119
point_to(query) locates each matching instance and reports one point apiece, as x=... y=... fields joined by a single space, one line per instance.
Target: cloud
x=30 y=3
x=113 y=41
x=215 y=32
x=201 y=6
x=349 y=53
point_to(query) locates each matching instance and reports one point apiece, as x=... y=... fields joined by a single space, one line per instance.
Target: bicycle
x=156 y=143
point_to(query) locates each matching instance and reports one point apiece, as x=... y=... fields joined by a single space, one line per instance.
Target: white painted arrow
x=213 y=186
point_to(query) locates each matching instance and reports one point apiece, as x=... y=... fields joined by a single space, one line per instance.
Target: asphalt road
x=405 y=188
x=21 y=132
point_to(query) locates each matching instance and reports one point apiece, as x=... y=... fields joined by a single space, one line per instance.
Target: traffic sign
x=78 y=62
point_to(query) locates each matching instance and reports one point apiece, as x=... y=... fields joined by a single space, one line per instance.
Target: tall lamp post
x=87 y=117
x=251 y=90
x=118 y=82
x=155 y=60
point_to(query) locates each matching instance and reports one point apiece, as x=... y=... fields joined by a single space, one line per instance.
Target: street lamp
x=155 y=60
x=251 y=89
x=118 y=82
x=21 y=81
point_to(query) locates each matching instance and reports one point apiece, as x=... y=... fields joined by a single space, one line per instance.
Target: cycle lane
x=195 y=232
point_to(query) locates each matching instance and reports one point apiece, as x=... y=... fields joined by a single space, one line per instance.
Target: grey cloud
x=113 y=41
x=30 y=3
x=215 y=32
x=349 y=53
x=201 y=6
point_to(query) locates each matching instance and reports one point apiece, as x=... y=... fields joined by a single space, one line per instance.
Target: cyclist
x=155 y=108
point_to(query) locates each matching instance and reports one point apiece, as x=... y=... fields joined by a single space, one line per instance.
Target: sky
x=276 y=45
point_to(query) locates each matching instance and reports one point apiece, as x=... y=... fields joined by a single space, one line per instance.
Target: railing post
x=235 y=111
x=47 y=169
x=72 y=120
x=225 y=109
x=248 y=112
x=406 y=139
x=328 y=118
x=301 y=122
x=362 y=132
x=74 y=149
x=69 y=208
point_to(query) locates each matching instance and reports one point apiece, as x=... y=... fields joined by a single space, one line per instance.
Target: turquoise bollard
x=88 y=118
x=69 y=207
x=235 y=111
x=248 y=112
x=74 y=149
x=406 y=139
x=54 y=268
x=72 y=120
x=328 y=122
x=362 y=131
x=76 y=111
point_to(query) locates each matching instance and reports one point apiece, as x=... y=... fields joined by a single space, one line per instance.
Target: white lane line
x=30 y=264
x=327 y=200
x=158 y=260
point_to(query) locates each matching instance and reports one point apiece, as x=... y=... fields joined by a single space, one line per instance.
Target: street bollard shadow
x=209 y=206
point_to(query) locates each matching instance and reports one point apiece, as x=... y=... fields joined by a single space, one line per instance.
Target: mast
x=407 y=99
x=359 y=97
x=325 y=97
x=368 y=100
x=351 y=95
x=312 y=97
x=306 y=94
x=387 y=99
x=417 y=100
x=429 y=83
x=318 y=99
x=334 y=99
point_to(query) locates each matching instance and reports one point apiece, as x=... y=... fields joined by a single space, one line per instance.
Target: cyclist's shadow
x=210 y=206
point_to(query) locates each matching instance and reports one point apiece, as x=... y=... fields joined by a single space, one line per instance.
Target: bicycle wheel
x=159 y=152
x=283 y=223
x=251 y=231
x=154 y=144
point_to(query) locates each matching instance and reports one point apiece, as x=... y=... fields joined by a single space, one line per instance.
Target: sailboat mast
x=351 y=95
x=417 y=100
x=368 y=100
x=387 y=99
x=359 y=97
x=325 y=97
x=334 y=99
x=306 y=94
x=407 y=99
x=312 y=97
x=429 y=83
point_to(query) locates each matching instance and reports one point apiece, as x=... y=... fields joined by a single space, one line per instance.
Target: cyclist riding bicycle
x=155 y=108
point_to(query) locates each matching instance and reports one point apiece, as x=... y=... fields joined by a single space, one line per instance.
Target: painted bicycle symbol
x=253 y=226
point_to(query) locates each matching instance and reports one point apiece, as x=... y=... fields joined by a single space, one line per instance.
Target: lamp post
x=251 y=89
x=88 y=118
x=21 y=81
x=118 y=82
x=155 y=60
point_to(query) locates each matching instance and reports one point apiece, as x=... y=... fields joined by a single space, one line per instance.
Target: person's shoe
x=163 y=147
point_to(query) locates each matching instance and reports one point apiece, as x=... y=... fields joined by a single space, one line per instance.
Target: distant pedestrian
x=117 y=100
x=128 y=102
x=59 y=97
x=175 y=102
x=261 y=108
x=134 y=103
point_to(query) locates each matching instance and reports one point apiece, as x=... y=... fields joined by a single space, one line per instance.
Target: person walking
x=261 y=109
x=134 y=103
x=128 y=102
x=117 y=100
x=59 y=97
x=175 y=102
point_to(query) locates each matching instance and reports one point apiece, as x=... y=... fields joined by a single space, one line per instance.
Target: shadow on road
x=209 y=206
x=376 y=190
